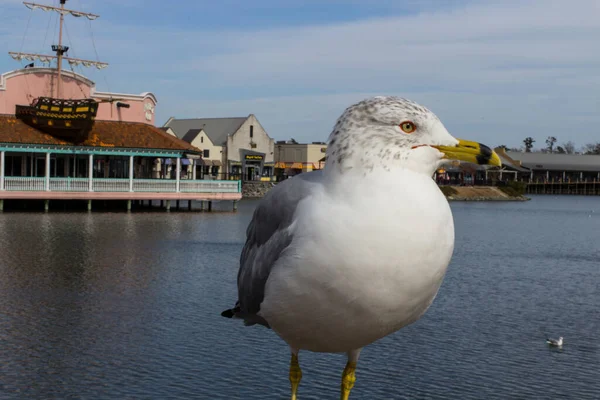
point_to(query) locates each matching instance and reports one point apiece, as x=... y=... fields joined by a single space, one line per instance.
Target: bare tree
x=550 y=142
x=569 y=147
x=591 y=148
x=528 y=144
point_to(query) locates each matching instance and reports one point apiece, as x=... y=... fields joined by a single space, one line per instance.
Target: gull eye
x=408 y=127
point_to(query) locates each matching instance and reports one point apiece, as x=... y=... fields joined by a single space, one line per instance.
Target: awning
x=168 y=161
x=217 y=163
x=296 y=165
x=280 y=165
x=185 y=161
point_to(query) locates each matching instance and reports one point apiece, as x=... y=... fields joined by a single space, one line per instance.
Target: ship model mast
x=59 y=49
x=68 y=119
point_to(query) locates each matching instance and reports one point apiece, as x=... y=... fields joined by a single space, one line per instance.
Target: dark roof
x=103 y=134
x=217 y=129
x=557 y=162
x=191 y=135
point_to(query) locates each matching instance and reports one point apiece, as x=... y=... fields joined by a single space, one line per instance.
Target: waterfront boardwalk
x=47 y=188
x=590 y=188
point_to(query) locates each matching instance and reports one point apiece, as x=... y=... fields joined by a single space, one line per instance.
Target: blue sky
x=494 y=71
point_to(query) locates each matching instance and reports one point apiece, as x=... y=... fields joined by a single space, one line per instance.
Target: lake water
x=126 y=306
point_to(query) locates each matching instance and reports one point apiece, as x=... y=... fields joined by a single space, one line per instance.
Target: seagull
x=554 y=342
x=339 y=258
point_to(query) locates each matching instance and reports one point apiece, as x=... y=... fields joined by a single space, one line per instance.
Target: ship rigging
x=70 y=119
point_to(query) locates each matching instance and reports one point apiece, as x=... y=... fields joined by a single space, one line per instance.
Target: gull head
x=388 y=132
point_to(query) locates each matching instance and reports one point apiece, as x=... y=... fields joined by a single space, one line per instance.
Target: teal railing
x=21 y=183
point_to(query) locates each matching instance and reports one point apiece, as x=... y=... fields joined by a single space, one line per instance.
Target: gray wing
x=266 y=238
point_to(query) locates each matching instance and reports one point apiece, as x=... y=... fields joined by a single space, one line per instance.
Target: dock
x=129 y=190
x=585 y=188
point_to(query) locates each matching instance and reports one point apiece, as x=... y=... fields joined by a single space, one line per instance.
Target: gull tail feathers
x=249 y=319
x=232 y=312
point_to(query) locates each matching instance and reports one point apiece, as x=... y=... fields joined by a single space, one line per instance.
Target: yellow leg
x=348 y=379
x=295 y=375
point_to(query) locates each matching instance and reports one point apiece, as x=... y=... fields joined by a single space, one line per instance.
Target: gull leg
x=349 y=376
x=295 y=373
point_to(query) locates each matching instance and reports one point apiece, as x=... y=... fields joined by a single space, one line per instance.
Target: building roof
x=191 y=135
x=104 y=134
x=217 y=129
x=508 y=162
x=557 y=162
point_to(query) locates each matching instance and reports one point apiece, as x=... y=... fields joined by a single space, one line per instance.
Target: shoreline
x=481 y=193
x=256 y=190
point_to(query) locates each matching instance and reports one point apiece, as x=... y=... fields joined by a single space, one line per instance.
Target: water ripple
x=106 y=306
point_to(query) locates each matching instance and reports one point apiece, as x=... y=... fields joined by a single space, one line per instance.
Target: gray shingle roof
x=217 y=129
x=191 y=135
x=557 y=162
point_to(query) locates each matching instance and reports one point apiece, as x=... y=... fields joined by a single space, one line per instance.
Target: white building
x=232 y=148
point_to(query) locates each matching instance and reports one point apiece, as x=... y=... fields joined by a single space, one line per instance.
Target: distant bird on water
x=555 y=343
x=339 y=258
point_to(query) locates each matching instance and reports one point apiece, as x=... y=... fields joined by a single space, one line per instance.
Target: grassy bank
x=511 y=192
x=482 y=193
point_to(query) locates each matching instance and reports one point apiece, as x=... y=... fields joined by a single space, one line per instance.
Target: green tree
x=550 y=143
x=528 y=144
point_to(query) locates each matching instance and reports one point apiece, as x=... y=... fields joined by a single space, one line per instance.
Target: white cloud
x=495 y=71
x=493 y=119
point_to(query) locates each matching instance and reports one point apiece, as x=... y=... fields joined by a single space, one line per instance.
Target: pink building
x=23 y=85
x=122 y=157
x=61 y=139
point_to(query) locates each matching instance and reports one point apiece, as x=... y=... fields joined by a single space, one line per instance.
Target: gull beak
x=472 y=152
